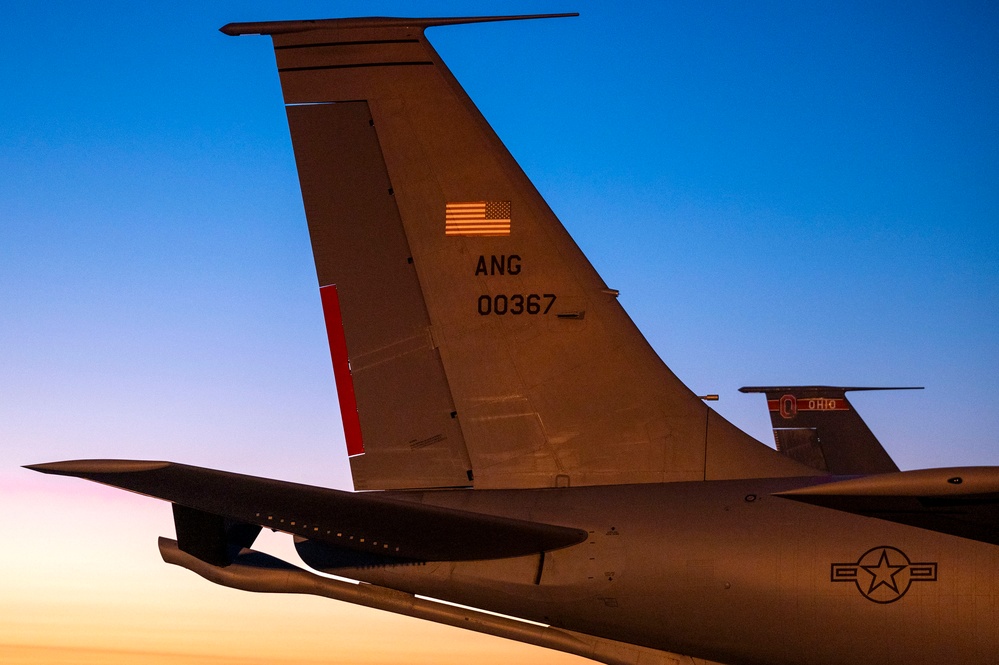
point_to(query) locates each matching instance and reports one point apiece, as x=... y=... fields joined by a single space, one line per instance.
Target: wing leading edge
x=210 y=503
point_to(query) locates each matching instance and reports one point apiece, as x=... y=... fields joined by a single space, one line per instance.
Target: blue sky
x=782 y=194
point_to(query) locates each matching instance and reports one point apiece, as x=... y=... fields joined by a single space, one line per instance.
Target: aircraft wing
x=960 y=501
x=217 y=513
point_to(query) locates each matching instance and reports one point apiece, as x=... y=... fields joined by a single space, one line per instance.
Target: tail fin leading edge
x=482 y=347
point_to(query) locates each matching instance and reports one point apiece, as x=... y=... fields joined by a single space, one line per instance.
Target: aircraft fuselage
x=726 y=571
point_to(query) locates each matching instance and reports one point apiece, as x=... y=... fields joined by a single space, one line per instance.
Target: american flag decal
x=477 y=218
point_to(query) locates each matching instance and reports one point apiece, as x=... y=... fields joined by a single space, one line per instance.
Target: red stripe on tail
x=341 y=369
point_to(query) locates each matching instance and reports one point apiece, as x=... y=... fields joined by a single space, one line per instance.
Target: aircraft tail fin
x=473 y=343
x=817 y=425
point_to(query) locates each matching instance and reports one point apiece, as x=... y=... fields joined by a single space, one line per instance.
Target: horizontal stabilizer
x=402 y=530
x=820 y=389
x=962 y=501
x=286 y=27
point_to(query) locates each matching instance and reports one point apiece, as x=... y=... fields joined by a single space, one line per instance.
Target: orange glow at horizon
x=85 y=584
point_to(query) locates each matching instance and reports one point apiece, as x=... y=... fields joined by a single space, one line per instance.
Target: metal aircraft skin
x=533 y=456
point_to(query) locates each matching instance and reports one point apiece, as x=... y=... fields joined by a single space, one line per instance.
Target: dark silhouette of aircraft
x=521 y=447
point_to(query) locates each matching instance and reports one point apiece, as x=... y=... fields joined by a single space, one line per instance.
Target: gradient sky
x=782 y=194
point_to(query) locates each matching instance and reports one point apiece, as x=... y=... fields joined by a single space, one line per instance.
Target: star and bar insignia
x=883 y=574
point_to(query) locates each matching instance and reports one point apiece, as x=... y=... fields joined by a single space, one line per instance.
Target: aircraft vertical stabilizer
x=473 y=343
x=818 y=426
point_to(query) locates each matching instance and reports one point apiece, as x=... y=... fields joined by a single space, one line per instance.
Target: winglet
x=285 y=27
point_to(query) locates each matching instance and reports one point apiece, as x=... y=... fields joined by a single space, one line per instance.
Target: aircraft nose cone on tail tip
x=85 y=466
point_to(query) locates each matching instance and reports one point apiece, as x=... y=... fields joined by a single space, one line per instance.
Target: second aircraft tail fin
x=817 y=425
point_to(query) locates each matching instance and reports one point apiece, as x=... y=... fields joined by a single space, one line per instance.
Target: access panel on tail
x=473 y=343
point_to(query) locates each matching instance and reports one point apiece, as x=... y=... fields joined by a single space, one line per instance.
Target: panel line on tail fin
x=365 y=42
x=352 y=66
